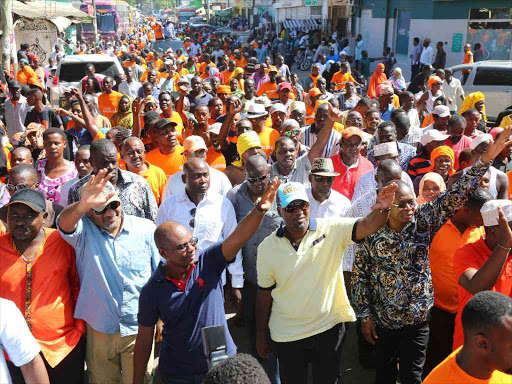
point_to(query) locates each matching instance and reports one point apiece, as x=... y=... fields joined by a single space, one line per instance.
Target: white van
x=71 y=70
x=494 y=79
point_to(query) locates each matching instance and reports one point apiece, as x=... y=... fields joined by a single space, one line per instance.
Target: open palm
x=95 y=193
x=270 y=194
x=385 y=197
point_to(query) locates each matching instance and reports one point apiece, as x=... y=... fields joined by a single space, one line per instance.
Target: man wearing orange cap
x=269 y=87
x=223 y=93
x=314 y=96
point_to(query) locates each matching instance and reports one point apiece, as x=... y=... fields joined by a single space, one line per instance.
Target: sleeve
x=411 y=170
x=74 y=238
x=151 y=208
x=264 y=268
x=235 y=268
x=56 y=121
x=361 y=280
x=162 y=215
x=226 y=184
x=450 y=201
x=148 y=310
x=342 y=228
x=303 y=162
x=15 y=336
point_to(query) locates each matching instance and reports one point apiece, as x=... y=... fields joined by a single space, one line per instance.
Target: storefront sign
x=457 y=42
x=311 y=3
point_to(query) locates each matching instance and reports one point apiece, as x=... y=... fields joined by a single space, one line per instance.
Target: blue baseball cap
x=289 y=192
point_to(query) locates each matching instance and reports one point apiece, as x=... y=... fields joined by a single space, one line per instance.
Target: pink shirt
x=463 y=143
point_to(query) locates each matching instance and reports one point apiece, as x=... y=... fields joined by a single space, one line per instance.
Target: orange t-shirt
x=170 y=164
x=509 y=176
x=157 y=28
x=475 y=255
x=216 y=159
x=156 y=178
x=442 y=252
x=28 y=76
x=268 y=138
x=450 y=372
x=108 y=103
x=269 y=89
x=183 y=72
x=52 y=305
x=226 y=75
x=242 y=63
x=341 y=79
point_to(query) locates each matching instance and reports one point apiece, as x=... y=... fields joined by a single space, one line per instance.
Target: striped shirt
x=419 y=165
x=308 y=138
x=15 y=116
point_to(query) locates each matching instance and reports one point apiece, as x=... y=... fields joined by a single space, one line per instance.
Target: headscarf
x=246 y=141
x=443 y=150
x=237 y=71
x=398 y=83
x=432 y=80
x=224 y=89
x=384 y=88
x=434 y=177
x=471 y=100
x=213 y=72
x=377 y=78
x=123 y=119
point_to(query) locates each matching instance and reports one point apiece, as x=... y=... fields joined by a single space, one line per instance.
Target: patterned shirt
x=136 y=196
x=405 y=153
x=392 y=282
x=413 y=137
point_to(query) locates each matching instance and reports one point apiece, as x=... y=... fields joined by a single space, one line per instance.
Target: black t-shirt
x=47 y=114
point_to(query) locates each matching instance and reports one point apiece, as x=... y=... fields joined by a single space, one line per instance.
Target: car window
x=493 y=76
x=166 y=44
x=72 y=71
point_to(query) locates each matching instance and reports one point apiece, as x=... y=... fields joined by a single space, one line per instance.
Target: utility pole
x=325 y=17
x=208 y=10
x=95 y=21
x=7 y=35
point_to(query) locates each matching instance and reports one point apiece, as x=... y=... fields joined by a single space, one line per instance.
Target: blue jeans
x=270 y=365
x=192 y=379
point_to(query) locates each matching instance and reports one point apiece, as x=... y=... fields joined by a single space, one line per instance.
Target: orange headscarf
x=377 y=78
x=443 y=150
x=432 y=80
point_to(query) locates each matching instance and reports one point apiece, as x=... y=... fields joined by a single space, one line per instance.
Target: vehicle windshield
x=106 y=22
x=73 y=72
x=166 y=44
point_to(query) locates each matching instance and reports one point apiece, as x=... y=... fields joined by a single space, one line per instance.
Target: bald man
x=186 y=293
x=21 y=155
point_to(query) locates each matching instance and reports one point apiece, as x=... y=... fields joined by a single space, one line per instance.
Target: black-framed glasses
x=113 y=205
x=406 y=204
x=19 y=187
x=192 y=222
x=192 y=243
x=260 y=179
x=298 y=204
x=293 y=132
x=323 y=179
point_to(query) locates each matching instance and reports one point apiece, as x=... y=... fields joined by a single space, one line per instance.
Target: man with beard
x=117 y=256
x=486 y=354
x=133 y=190
x=209 y=216
x=244 y=197
x=134 y=155
x=312 y=133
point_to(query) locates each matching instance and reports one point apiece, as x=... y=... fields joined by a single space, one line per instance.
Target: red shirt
x=463 y=143
x=347 y=180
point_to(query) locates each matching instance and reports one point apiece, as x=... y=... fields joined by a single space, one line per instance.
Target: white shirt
x=322 y=67
x=130 y=89
x=214 y=221
x=427 y=55
x=368 y=183
x=414 y=117
x=336 y=205
x=453 y=92
x=219 y=183
x=15 y=338
x=15 y=116
x=194 y=48
x=217 y=53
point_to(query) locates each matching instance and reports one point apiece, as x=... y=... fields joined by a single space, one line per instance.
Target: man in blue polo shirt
x=186 y=293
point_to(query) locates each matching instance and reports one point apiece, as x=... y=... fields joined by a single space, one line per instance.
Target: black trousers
x=407 y=345
x=68 y=371
x=323 y=351
x=415 y=69
x=442 y=326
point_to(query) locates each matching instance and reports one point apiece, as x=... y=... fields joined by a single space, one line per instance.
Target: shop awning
x=302 y=25
x=46 y=10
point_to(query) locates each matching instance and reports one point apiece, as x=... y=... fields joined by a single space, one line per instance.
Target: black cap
x=13 y=84
x=30 y=197
x=162 y=123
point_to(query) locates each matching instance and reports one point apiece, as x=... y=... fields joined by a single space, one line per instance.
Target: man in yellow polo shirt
x=302 y=299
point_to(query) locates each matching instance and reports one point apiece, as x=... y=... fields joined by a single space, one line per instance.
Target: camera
x=214 y=343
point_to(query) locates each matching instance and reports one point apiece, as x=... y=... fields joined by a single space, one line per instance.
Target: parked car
x=164 y=45
x=71 y=70
x=493 y=78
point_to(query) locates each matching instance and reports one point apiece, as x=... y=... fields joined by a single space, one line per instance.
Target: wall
x=40 y=34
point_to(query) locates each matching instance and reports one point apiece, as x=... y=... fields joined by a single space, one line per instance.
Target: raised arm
x=250 y=224
x=89 y=123
x=226 y=125
x=318 y=148
x=137 y=106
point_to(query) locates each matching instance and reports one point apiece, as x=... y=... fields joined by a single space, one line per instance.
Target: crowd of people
x=335 y=207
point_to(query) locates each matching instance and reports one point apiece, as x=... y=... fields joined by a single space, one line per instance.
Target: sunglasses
x=113 y=205
x=192 y=222
x=302 y=205
x=406 y=204
x=19 y=187
x=253 y=180
x=293 y=132
x=321 y=179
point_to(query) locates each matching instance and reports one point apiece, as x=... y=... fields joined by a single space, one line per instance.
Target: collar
x=126 y=226
x=126 y=177
x=182 y=284
x=312 y=227
x=183 y=197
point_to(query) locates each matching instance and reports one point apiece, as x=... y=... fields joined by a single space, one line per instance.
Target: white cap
x=278 y=107
x=168 y=62
x=383 y=149
x=489 y=211
x=290 y=123
x=298 y=106
x=215 y=128
x=483 y=138
x=432 y=135
x=441 y=111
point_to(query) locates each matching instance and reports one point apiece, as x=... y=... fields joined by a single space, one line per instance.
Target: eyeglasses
x=113 y=205
x=19 y=187
x=406 y=204
x=293 y=132
x=323 y=179
x=253 y=180
x=192 y=243
x=192 y=222
x=302 y=205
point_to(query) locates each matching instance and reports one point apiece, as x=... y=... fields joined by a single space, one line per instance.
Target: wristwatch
x=258 y=206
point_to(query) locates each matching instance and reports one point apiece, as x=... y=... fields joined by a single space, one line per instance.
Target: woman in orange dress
x=377 y=79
